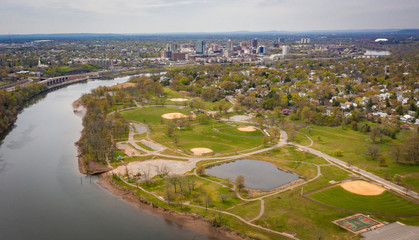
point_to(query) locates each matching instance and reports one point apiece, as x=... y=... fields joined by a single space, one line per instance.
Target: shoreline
x=190 y=221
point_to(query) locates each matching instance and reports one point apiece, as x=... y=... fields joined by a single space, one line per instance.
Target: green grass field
x=203 y=135
x=198 y=135
x=151 y=115
x=385 y=203
x=353 y=144
x=235 y=131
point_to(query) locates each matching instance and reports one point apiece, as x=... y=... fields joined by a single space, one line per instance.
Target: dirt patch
x=126 y=85
x=190 y=221
x=247 y=129
x=175 y=115
x=362 y=188
x=200 y=151
x=178 y=99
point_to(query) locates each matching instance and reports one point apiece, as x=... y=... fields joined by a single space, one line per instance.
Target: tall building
x=255 y=43
x=262 y=50
x=200 y=47
x=279 y=40
x=305 y=40
x=229 y=44
x=285 y=50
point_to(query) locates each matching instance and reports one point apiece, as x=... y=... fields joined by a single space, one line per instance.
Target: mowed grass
x=203 y=135
x=353 y=144
x=151 y=115
x=235 y=131
x=197 y=136
x=385 y=203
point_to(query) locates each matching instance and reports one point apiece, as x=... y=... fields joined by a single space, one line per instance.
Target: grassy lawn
x=203 y=135
x=247 y=210
x=385 y=203
x=143 y=146
x=290 y=212
x=353 y=144
x=197 y=196
x=151 y=115
x=235 y=131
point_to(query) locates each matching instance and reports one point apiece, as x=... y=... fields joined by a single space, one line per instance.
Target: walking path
x=344 y=165
x=189 y=162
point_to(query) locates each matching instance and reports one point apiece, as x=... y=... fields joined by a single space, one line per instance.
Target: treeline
x=11 y=102
x=101 y=125
x=100 y=129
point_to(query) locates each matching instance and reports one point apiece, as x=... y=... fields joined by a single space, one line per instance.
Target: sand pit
x=200 y=151
x=175 y=115
x=247 y=129
x=126 y=85
x=362 y=188
x=178 y=99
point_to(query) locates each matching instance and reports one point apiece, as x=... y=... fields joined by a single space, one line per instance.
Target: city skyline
x=146 y=16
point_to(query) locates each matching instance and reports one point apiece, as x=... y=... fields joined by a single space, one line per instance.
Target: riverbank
x=194 y=222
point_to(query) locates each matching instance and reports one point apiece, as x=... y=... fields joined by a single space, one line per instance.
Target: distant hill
x=62 y=36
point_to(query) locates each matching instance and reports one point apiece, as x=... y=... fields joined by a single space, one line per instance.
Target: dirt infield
x=362 y=188
x=200 y=151
x=247 y=129
x=175 y=115
x=178 y=99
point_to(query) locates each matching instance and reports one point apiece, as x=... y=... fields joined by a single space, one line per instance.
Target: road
x=342 y=164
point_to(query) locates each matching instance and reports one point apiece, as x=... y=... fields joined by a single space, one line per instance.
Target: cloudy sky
x=154 y=16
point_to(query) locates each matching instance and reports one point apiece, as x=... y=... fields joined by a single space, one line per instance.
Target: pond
x=258 y=175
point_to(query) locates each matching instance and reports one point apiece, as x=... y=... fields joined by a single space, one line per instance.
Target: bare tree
x=224 y=197
x=396 y=152
x=372 y=152
x=240 y=182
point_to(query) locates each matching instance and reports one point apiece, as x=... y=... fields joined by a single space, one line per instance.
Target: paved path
x=361 y=172
x=213 y=210
x=282 y=142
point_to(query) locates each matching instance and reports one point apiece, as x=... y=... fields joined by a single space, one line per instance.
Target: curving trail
x=282 y=142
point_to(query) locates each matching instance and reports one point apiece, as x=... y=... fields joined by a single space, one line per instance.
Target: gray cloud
x=140 y=16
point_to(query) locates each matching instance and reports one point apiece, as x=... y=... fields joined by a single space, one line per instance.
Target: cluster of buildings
x=200 y=51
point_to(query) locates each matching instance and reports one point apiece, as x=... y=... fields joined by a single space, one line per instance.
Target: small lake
x=258 y=175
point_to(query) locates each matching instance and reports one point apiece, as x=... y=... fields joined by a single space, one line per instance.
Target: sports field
x=386 y=203
x=357 y=223
x=198 y=135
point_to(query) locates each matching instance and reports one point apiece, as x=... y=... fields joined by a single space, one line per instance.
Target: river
x=41 y=194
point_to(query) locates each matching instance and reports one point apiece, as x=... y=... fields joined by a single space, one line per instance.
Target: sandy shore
x=192 y=221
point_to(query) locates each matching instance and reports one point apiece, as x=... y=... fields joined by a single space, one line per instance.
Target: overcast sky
x=155 y=16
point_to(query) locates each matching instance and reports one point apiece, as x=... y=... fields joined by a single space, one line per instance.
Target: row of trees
x=11 y=102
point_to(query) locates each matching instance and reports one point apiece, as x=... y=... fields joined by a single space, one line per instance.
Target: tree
x=207 y=200
x=266 y=140
x=224 y=197
x=411 y=150
x=375 y=133
x=337 y=152
x=372 y=151
x=396 y=152
x=168 y=192
x=381 y=161
x=240 y=182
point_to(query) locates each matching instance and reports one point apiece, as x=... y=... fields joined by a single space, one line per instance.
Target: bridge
x=64 y=80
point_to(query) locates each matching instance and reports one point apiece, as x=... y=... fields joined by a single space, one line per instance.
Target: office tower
x=285 y=50
x=200 y=47
x=229 y=44
x=255 y=43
